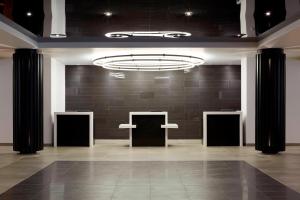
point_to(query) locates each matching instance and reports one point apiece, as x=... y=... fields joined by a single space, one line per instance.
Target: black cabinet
x=148 y=131
x=73 y=129
x=222 y=129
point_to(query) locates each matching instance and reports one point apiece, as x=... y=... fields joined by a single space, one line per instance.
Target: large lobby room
x=149 y=100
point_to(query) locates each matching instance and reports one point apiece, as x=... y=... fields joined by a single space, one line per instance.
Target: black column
x=270 y=101
x=28 y=100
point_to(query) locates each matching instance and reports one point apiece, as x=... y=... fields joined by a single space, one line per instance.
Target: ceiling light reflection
x=166 y=34
x=117 y=75
x=188 y=13
x=108 y=13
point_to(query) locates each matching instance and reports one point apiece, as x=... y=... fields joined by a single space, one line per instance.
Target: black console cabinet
x=73 y=129
x=222 y=129
x=148 y=131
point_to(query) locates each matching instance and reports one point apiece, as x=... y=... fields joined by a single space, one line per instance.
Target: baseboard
x=293 y=144
x=5 y=144
x=287 y=144
x=125 y=140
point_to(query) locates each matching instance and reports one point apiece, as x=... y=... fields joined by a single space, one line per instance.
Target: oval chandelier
x=148 y=62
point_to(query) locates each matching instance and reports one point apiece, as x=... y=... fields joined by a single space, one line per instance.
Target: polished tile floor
x=182 y=180
x=185 y=170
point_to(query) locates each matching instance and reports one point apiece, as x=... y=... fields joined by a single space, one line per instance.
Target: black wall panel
x=184 y=95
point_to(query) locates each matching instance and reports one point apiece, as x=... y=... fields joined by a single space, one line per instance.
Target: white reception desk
x=132 y=126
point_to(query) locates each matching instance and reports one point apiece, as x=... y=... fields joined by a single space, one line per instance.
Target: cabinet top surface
x=222 y=112
x=148 y=113
x=73 y=113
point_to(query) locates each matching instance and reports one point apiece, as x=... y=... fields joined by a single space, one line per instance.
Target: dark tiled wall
x=184 y=95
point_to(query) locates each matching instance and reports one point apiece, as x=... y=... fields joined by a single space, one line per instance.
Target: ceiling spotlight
x=108 y=14
x=149 y=62
x=268 y=13
x=29 y=14
x=166 y=34
x=188 y=13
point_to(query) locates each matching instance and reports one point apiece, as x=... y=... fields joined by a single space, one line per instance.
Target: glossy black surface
x=183 y=95
x=148 y=131
x=270 y=101
x=223 y=130
x=73 y=130
x=268 y=13
x=35 y=20
x=191 y=180
x=210 y=18
x=27 y=101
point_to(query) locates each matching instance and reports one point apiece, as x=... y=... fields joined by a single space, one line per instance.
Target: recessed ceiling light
x=149 y=62
x=188 y=13
x=268 y=13
x=29 y=14
x=108 y=13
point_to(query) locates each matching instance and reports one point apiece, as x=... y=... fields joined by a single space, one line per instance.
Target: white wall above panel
x=6 y=101
x=85 y=56
x=248 y=71
x=15 y=36
x=54 y=94
x=284 y=35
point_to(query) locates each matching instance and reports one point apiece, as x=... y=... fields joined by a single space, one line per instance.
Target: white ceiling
x=85 y=56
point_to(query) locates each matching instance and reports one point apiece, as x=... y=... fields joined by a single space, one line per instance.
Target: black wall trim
x=270 y=101
x=27 y=101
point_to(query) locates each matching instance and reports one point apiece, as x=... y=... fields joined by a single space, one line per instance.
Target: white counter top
x=169 y=126
x=126 y=126
x=222 y=112
x=73 y=113
x=148 y=113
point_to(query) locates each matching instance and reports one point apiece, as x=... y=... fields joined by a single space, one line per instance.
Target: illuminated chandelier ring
x=148 y=62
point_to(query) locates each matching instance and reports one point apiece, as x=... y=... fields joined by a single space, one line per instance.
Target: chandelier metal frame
x=148 y=62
